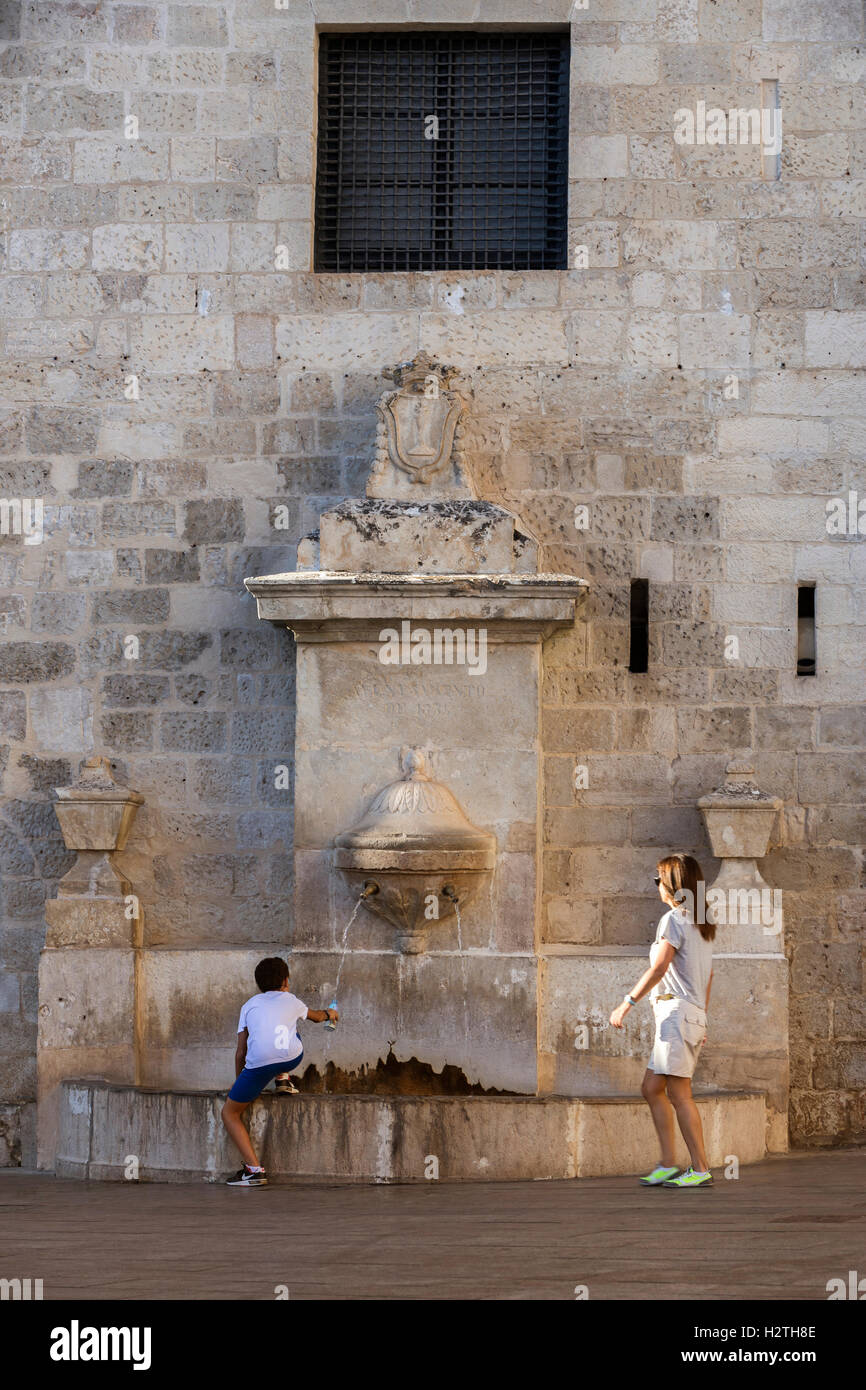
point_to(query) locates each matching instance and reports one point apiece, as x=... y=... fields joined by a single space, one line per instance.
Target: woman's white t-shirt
x=272 y=1020
x=688 y=974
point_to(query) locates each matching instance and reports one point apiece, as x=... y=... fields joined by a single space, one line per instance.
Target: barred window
x=442 y=151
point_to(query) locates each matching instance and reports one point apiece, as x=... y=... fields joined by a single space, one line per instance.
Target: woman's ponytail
x=681 y=874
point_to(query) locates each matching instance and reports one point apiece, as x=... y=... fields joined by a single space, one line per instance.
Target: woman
x=680 y=975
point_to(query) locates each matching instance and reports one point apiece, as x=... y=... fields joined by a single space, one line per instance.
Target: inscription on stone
x=436 y=697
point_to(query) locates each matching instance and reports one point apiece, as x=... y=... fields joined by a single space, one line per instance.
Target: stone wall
x=153 y=258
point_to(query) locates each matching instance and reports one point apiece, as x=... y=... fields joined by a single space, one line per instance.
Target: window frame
x=487 y=254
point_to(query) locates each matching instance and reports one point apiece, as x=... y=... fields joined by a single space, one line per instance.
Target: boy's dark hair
x=271 y=973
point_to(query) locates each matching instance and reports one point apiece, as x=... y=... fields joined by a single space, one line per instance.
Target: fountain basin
x=178 y=1137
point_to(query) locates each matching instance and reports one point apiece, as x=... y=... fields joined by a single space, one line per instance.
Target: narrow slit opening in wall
x=638 y=656
x=806 y=630
x=771 y=130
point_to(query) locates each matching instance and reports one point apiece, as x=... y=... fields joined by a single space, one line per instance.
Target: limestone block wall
x=186 y=411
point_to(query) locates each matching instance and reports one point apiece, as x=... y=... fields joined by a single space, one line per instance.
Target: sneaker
x=284 y=1086
x=658 y=1176
x=248 y=1177
x=690 y=1179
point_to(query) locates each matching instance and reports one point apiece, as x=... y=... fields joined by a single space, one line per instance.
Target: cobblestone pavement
x=780 y=1231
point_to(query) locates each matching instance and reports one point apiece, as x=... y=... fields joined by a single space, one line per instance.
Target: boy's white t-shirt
x=272 y=1020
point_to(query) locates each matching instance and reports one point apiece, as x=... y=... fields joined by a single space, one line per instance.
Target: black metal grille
x=487 y=190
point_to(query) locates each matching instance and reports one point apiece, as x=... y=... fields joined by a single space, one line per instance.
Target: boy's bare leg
x=689 y=1120
x=231 y=1117
x=653 y=1092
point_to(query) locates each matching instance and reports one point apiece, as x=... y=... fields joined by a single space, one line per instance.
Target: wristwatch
x=629 y=1000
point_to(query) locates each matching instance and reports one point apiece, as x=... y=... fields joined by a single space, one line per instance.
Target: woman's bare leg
x=231 y=1116
x=653 y=1092
x=688 y=1119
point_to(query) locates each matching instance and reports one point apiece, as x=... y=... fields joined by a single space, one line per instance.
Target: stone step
x=112 y=1132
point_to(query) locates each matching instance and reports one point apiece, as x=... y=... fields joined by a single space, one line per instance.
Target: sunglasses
x=656 y=881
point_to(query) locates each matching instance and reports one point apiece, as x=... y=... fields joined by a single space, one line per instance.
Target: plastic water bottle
x=329 y=1023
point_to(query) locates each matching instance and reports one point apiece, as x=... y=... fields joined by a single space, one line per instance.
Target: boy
x=268 y=1046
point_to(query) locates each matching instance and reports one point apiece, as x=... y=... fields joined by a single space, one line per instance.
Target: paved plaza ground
x=780 y=1231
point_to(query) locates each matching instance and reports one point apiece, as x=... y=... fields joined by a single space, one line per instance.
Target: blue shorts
x=253 y=1080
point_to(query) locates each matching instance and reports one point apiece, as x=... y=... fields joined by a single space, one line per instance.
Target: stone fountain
x=419 y=613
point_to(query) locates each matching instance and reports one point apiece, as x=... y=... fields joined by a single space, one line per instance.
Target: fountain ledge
x=382 y=1138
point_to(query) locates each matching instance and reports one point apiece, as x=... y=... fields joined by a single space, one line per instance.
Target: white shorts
x=681 y=1028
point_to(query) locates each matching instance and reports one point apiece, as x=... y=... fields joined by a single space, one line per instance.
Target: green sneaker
x=658 y=1176
x=690 y=1179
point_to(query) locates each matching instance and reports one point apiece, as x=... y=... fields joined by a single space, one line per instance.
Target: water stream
x=462 y=955
x=345 y=944
x=330 y=1027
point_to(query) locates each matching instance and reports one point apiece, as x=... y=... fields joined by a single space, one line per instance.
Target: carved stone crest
x=419 y=435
